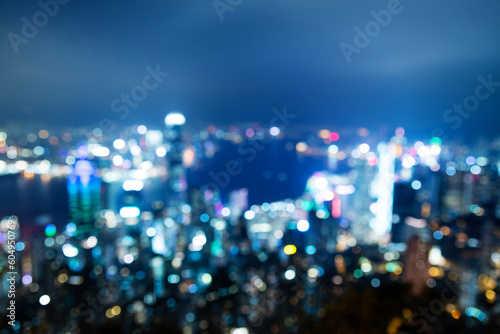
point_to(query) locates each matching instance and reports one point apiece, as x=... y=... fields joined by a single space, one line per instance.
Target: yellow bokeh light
x=324 y=134
x=290 y=249
x=433 y=271
x=28 y=173
x=301 y=147
x=456 y=314
x=188 y=157
x=490 y=296
x=486 y=282
x=44 y=134
x=425 y=210
x=313 y=273
x=116 y=310
x=445 y=230
x=393 y=327
x=407 y=313
x=397 y=270
x=63 y=278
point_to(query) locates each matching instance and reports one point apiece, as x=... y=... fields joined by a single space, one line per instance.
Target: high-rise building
x=84 y=191
x=384 y=191
x=416 y=264
x=176 y=183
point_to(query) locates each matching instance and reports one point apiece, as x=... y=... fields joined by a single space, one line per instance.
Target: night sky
x=264 y=54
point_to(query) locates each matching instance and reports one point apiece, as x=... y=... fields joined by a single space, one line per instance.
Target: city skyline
x=248 y=167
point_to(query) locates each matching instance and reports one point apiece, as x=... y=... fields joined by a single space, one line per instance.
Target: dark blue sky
x=265 y=54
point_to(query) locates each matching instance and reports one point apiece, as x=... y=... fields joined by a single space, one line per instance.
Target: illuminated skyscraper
x=360 y=213
x=176 y=183
x=84 y=191
x=384 y=190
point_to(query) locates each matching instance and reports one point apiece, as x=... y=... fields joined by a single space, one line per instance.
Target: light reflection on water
x=274 y=174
